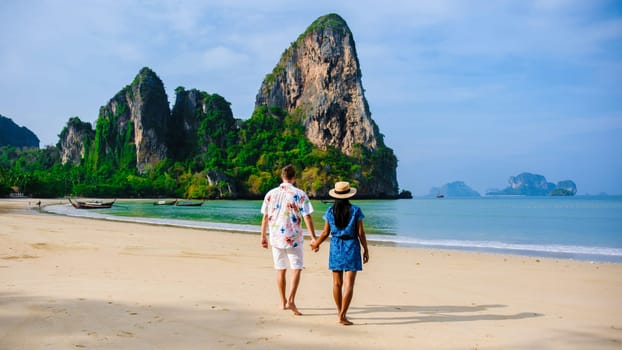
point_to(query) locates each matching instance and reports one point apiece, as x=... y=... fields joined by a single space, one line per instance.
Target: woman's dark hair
x=341 y=210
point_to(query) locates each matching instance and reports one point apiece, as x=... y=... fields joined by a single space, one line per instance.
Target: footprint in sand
x=125 y=334
x=20 y=257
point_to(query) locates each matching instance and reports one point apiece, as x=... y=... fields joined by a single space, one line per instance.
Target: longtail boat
x=189 y=204
x=90 y=204
x=165 y=202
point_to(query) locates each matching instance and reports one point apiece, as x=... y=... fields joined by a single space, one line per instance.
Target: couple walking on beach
x=283 y=209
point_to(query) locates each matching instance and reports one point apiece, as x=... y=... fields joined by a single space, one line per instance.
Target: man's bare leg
x=291 y=301
x=280 y=284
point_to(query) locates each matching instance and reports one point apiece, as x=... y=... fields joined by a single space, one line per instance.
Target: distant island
x=524 y=184
x=528 y=184
x=453 y=189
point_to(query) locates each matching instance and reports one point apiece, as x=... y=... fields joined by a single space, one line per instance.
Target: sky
x=473 y=91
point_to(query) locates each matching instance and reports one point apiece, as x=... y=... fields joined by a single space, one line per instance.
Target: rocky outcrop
x=12 y=134
x=132 y=127
x=527 y=184
x=319 y=78
x=221 y=185
x=530 y=184
x=318 y=81
x=199 y=120
x=454 y=189
x=184 y=123
x=74 y=141
x=565 y=188
x=312 y=113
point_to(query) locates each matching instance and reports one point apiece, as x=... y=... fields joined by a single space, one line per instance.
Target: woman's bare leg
x=337 y=284
x=348 y=291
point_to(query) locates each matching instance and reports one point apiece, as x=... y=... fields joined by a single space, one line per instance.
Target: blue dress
x=345 y=249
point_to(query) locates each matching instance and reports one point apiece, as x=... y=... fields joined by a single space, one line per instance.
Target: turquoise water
x=585 y=228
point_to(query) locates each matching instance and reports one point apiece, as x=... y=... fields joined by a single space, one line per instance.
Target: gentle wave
x=68 y=210
x=551 y=249
x=567 y=251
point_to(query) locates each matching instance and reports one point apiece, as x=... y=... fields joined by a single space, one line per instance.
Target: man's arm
x=264 y=227
x=309 y=223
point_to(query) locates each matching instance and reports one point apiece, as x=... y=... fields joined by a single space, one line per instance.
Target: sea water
x=584 y=228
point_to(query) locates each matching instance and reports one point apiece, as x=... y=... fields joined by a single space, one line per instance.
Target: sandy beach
x=68 y=283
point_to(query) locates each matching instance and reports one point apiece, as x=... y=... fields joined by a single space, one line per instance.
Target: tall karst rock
x=132 y=128
x=15 y=135
x=319 y=78
x=74 y=141
x=203 y=128
x=200 y=122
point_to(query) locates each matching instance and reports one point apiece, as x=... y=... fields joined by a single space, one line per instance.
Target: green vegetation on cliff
x=271 y=139
x=206 y=152
x=330 y=21
x=247 y=156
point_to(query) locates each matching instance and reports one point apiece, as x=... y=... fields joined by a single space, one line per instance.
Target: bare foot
x=344 y=321
x=292 y=306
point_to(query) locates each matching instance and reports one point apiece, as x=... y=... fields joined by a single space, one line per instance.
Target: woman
x=344 y=222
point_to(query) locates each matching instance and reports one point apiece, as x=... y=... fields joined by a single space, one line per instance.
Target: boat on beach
x=96 y=204
x=165 y=202
x=189 y=203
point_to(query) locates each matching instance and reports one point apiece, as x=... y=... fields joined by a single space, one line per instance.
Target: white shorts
x=293 y=256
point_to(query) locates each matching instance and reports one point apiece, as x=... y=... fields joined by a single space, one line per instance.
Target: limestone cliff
x=202 y=128
x=199 y=120
x=565 y=188
x=454 y=189
x=318 y=80
x=184 y=123
x=530 y=184
x=132 y=127
x=527 y=184
x=319 y=76
x=15 y=135
x=74 y=141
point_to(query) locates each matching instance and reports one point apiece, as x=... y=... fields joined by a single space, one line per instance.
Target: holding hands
x=315 y=245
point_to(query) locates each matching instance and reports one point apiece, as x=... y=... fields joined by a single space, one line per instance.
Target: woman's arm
x=363 y=240
x=315 y=246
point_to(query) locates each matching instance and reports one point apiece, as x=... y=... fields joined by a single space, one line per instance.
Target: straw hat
x=342 y=190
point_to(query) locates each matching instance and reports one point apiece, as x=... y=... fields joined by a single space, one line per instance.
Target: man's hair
x=288 y=172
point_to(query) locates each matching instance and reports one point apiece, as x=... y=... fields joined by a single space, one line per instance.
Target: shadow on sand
x=409 y=314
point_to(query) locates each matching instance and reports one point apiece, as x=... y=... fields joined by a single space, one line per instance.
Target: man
x=283 y=210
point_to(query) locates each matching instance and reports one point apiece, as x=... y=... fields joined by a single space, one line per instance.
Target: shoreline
x=70 y=282
x=558 y=251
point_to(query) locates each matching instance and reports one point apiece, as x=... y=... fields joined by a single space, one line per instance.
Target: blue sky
x=475 y=91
